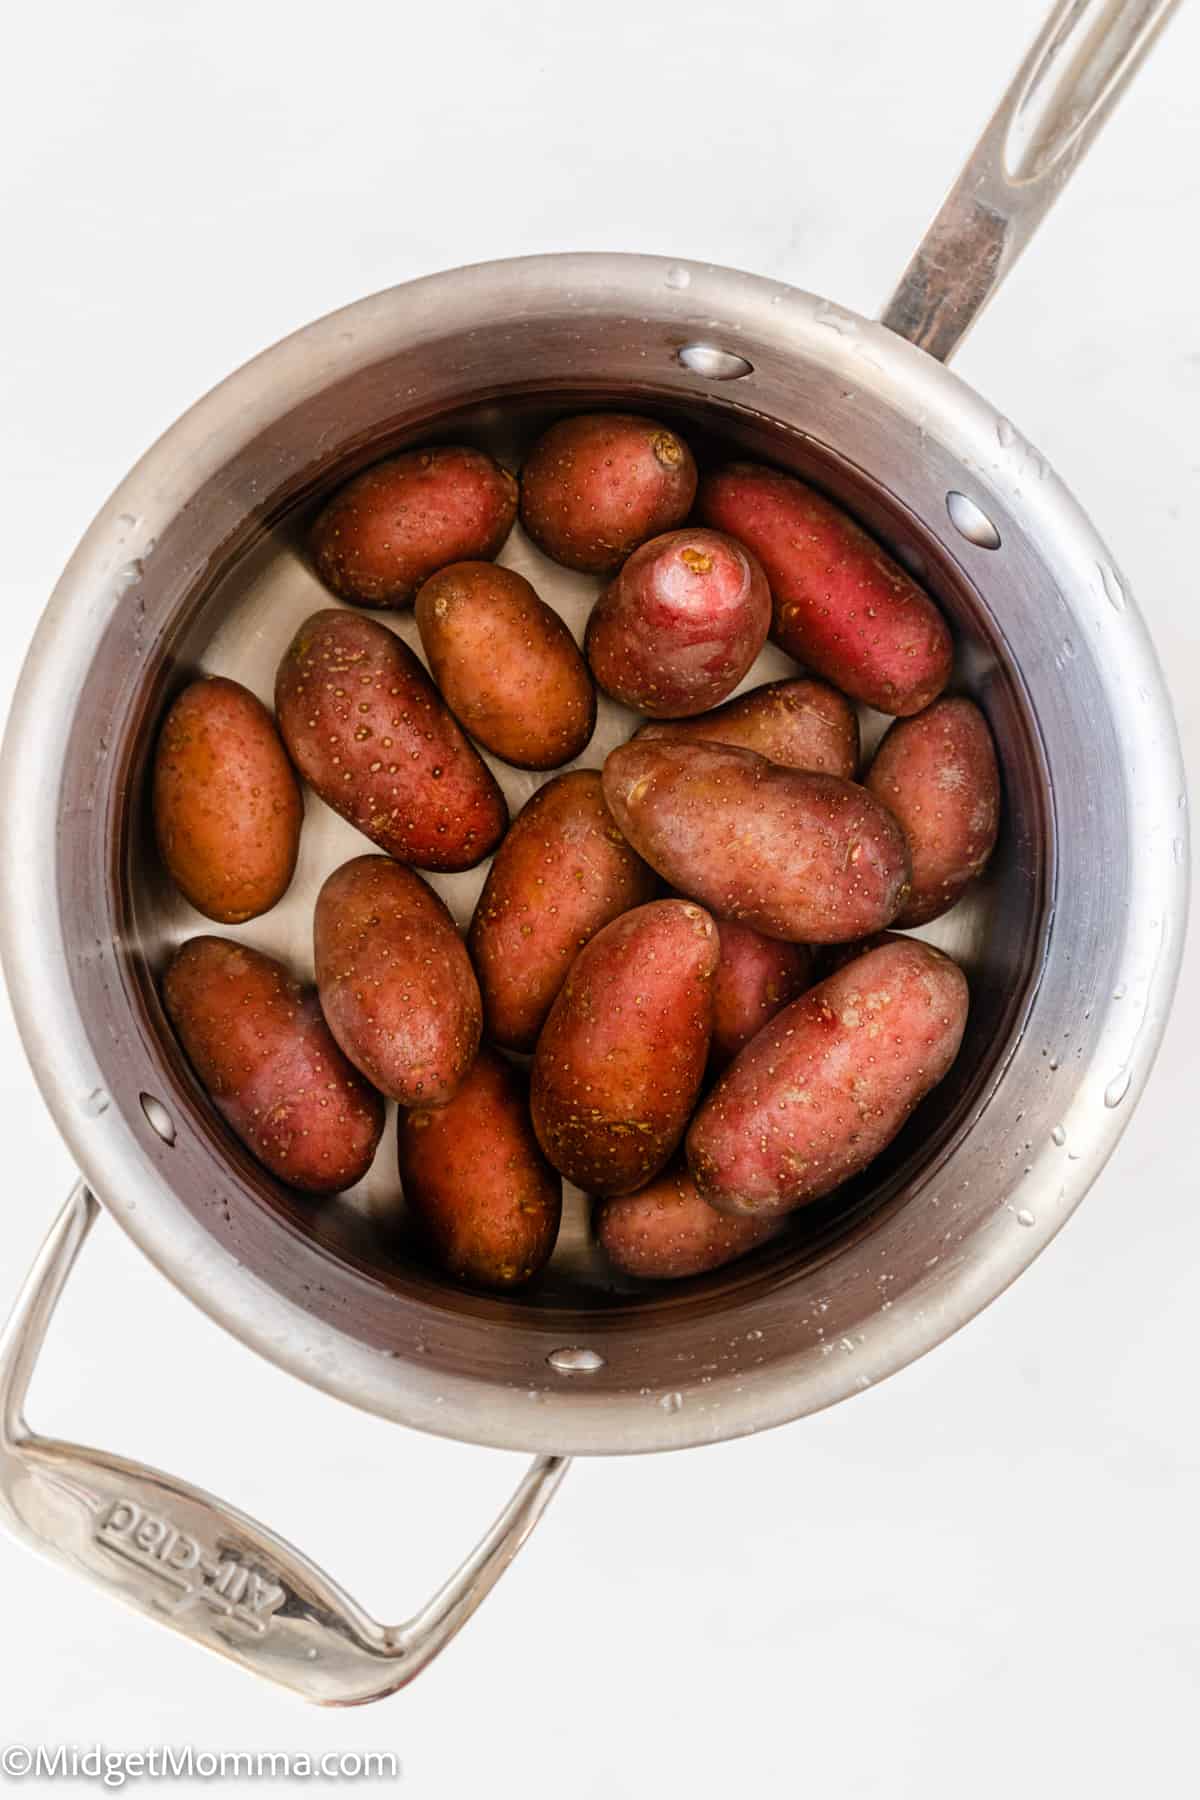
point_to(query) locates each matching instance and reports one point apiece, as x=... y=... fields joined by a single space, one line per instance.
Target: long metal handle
x=1068 y=84
x=192 y=1562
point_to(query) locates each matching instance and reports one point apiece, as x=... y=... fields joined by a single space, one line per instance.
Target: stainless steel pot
x=1072 y=944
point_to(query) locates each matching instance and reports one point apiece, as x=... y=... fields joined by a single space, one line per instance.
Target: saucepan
x=1071 y=943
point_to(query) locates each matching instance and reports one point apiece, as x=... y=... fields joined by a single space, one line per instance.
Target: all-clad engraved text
x=223 y=1582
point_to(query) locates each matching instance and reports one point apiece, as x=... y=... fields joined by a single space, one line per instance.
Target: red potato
x=677 y=629
x=395 y=981
x=620 y=1060
x=227 y=805
x=937 y=773
x=666 y=1231
x=266 y=1058
x=800 y=856
x=369 y=732
x=842 y=605
x=596 y=486
x=385 y=531
x=801 y=724
x=562 y=873
x=486 y=1200
x=508 y=668
x=829 y=1082
x=756 y=977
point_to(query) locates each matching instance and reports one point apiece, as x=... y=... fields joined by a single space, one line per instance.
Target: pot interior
x=239 y=624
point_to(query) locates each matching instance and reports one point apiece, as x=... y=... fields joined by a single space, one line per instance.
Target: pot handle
x=1069 y=82
x=193 y=1563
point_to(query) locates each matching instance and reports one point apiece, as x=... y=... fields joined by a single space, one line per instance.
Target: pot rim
x=129 y=1181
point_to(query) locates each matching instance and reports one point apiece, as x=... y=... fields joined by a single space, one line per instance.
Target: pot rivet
x=158 y=1117
x=713 y=364
x=572 y=1359
x=971 y=521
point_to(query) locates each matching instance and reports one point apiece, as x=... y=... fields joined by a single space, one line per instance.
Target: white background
x=981 y=1578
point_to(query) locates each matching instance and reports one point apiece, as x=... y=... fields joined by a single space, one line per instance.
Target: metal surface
x=202 y=1567
x=1068 y=84
x=1072 y=944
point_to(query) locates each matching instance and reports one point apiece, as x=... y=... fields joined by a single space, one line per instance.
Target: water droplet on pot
x=836 y=319
x=1114 y=589
x=1178 y=847
x=1059 y=1134
x=671 y=1402
x=678 y=277
x=1025 y=1217
x=1006 y=432
x=96 y=1103
x=1118 y=1087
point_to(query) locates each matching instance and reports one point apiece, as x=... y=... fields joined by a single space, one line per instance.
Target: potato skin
x=756 y=977
x=395 y=981
x=473 y=1176
x=832 y=957
x=563 y=871
x=226 y=801
x=507 y=666
x=937 y=773
x=800 y=856
x=390 y=527
x=597 y=485
x=621 y=1056
x=679 y=626
x=827 y=1085
x=842 y=605
x=800 y=724
x=666 y=1231
x=266 y=1058
x=369 y=732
